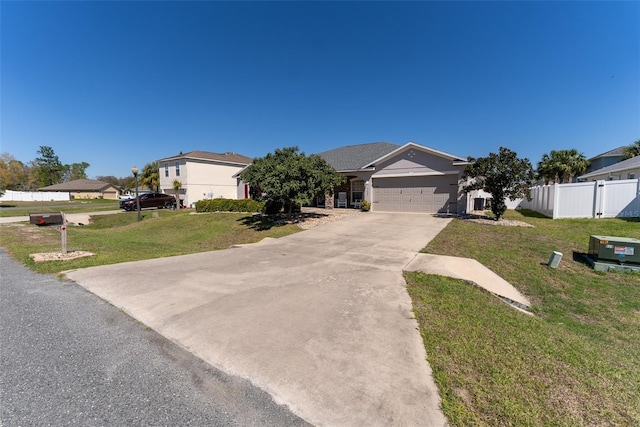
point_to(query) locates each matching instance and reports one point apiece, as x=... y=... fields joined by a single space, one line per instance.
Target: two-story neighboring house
x=204 y=175
x=603 y=160
x=626 y=169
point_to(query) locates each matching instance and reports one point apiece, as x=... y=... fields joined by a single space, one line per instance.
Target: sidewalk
x=471 y=270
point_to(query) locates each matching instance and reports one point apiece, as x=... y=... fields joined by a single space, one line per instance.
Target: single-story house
x=398 y=178
x=204 y=175
x=603 y=160
x=86 y=189
x=626 y=169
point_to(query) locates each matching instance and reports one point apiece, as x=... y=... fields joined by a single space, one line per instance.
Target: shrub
x=273 y=207
x=229 y=205
x=366 y=205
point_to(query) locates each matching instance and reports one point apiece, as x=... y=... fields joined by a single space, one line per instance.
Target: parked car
x=150 y=200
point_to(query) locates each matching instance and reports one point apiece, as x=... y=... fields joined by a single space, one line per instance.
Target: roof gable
x=616 y=152
x=355 y=157
x=455 y=159
x=364 y=156
x=227 y=157
x=78 y=185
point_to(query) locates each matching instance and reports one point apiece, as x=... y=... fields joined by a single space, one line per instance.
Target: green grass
x=575 y=362
x=8 y=209
x=120 y=237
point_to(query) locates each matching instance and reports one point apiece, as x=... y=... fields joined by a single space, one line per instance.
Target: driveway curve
x=321 y=319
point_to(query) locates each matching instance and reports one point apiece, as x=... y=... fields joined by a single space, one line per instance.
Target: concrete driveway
x=321 y=319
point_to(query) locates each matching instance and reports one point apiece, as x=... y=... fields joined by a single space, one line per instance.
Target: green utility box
x=622 y=250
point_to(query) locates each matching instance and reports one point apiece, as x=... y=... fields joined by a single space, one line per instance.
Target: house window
x=632 y=175
x=166 y=170
x=357 y=190
x=177 y=168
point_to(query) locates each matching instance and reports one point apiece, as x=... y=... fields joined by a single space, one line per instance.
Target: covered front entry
x=416 y=194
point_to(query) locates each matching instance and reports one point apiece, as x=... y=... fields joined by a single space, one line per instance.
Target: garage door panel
x=414 y=194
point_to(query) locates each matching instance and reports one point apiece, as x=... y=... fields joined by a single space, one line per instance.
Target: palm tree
x=151 y=176
x=177 y=185
x=562 y=165
x=546 y=170
x=574 y=162
x=632 y=150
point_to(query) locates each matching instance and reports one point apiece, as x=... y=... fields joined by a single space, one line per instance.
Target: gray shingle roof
x=78 y=185
x=611 y=153
x=631 y=163
x=205 y=155
x=354 y=157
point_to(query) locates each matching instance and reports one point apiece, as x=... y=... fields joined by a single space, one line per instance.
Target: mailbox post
x=55 y=219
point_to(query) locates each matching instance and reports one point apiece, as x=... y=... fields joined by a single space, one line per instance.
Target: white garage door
x=416 y=194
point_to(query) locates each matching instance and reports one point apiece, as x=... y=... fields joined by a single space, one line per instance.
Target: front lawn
x=574 y=363
x=10 y=208
x=120 y=237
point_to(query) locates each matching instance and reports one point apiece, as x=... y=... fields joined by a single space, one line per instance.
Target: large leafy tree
x=290 y=178
x=632 y=150
x=49 y=169
x=109 y=179
x=13 y=173
x=76 y=171
x=125 y=182
x=151 y=176
x=561 y=165
x=502 y=175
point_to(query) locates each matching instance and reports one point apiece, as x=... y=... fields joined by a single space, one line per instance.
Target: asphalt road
x=69 y=358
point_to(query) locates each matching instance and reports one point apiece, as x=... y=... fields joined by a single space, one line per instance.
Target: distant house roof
x=231 y=158
x=355 y=157
x=78 y=185
x=616 y=152
x=632 y=163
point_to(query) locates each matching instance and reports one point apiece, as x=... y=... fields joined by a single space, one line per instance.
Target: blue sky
x=121 y=83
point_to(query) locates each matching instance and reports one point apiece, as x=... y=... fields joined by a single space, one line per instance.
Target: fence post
x=599 y=198
x=556 y=201
x=637 y=212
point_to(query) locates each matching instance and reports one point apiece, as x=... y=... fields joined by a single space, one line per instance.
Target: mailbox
x=49 y=218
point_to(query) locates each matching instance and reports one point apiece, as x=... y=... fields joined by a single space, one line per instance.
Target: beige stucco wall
x=413 y=162
x=109 y=194
x=201 y=180
x=617 y=175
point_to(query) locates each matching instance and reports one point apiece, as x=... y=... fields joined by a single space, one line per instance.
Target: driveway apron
x=321 y=319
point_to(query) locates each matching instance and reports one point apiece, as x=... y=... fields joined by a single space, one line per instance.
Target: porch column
x=328 y=201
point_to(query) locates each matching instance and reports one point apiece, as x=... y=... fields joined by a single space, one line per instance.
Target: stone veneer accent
x=328 y=201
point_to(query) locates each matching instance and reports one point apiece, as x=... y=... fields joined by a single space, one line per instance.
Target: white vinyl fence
x=595 y=199
x=34 y=196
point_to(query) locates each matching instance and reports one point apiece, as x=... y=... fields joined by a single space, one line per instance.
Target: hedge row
x=229 y=205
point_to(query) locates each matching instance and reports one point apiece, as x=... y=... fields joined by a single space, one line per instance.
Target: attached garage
x=433 y=193
x=408 y=178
